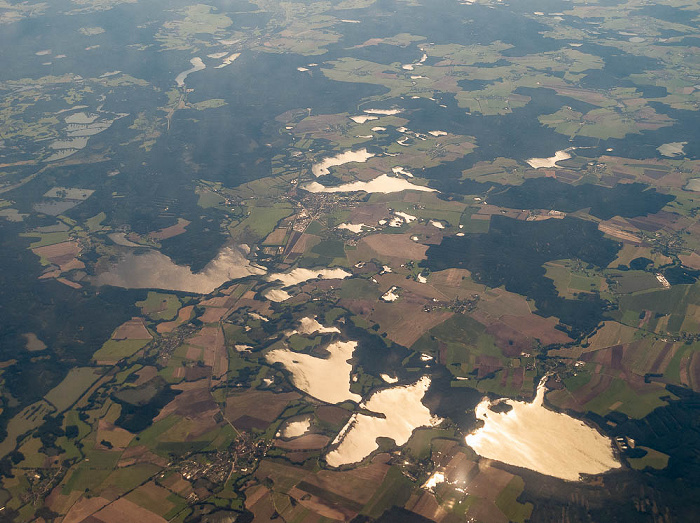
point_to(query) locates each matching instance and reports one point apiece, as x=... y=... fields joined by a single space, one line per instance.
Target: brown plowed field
x=134 y=329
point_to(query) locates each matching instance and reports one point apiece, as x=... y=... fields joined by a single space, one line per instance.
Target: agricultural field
x=159 y=306
x=302 y=260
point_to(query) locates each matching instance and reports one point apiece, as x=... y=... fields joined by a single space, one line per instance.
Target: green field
x=27 y=419
x=262 y=220
x=431 y=208
x=570 y=278
x=394 y=490
x=575 y=382
x=115 y=350
x=299 y=343
x=90 y=473
x=156 y=506
x=507 y=501
x=472 y=226
x=94 y=224
x=46 y=238
x=212 y=103
x=358 y=288
x=127 y=478
x=496 y=386
x=150 y=436
x=628 y=282
x=673 y=371
x=159 y=305
x=72 y=387
x=464 y=339
x=630 y=403
x=666 y=301
x=330 y=249
x=72 y=418
x=676 y=303
x=653 y=459
x=208 y=198
x=420 y=443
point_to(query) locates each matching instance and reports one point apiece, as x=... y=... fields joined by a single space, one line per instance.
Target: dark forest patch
x=141 y=404
x=627 y=200
x=512 y=254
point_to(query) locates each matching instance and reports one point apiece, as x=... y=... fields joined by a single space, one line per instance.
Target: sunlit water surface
x=534 y=437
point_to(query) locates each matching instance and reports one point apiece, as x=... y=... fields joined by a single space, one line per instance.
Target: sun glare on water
x=534 y=437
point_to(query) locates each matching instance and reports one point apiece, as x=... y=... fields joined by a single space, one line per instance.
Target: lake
x=531 y=436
